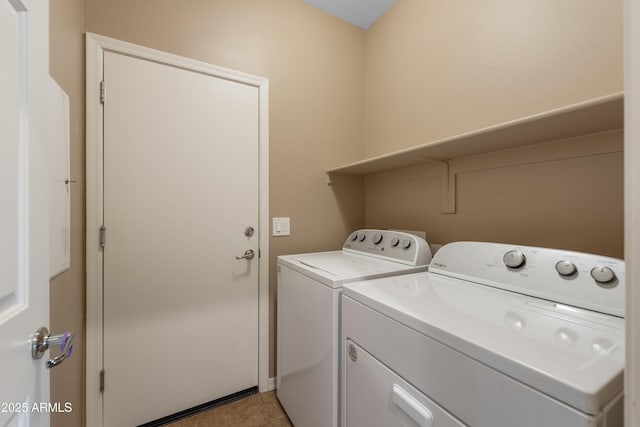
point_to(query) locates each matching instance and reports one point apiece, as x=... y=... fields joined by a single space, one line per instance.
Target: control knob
x=406 y=244
x=364 y=236
x=602 y=274
x=377 y=238
x=395 y=242
x=565 y=268
x=354 y=237
x=514 y=259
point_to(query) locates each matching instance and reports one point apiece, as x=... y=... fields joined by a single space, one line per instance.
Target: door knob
x=248 y=254
x=42 y=340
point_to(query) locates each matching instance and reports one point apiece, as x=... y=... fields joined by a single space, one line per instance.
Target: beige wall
x=314 y=63
x=434 y=69
x=67 y=304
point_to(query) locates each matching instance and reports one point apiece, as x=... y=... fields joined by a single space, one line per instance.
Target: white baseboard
x=271 y=385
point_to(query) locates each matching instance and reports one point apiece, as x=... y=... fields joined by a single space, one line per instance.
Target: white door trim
x=95 y=47
x=632 y=209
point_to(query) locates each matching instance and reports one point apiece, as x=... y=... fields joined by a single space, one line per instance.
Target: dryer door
x=376 y=396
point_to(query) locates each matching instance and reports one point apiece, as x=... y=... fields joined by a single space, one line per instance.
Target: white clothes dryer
x=493 y=335
x=308 y=315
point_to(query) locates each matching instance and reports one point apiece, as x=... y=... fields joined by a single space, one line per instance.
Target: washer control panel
x=394 y=245
x=578 y=279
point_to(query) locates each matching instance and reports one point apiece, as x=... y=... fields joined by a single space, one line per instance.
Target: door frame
x=632 y=208
x=96 y=45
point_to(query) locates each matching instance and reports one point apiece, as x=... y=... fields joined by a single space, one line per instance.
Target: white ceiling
x=362 y=13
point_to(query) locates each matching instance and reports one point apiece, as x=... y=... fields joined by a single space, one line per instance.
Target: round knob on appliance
x=395 y=242
x=565 y=268
x=406 y=244
x=514 y=259
x=354 y=237
x=362 y=237
x=602 y=274
x=377 y=238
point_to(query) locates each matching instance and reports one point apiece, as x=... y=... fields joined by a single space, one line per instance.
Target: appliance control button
x=395 y=242
x=514 y=259
x=565 y=268
x=602 y=274
x=362 y=237
x=354 y=237
x=406 y=244
x=377 y=238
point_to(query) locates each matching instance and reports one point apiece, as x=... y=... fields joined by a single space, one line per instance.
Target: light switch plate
x=281 y=226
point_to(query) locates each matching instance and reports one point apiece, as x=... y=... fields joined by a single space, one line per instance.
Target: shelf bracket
x=330 y=179
x=448 y=186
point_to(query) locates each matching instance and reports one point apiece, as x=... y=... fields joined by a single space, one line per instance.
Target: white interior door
x=24 y=222
x=180 y=187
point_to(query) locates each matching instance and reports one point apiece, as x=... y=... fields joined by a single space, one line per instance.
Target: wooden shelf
x=593 y=116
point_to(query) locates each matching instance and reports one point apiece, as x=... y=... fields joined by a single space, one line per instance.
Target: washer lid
x=338 y=267
x=574 y=355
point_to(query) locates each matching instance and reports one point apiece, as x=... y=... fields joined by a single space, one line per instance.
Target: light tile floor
x=258 y=410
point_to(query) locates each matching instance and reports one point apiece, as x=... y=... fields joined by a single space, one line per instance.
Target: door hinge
x=102 y=91
x=101 y=380
x=103 y=236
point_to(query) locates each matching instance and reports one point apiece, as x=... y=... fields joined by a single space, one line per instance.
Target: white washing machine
x=309 y=287
x=493 y=335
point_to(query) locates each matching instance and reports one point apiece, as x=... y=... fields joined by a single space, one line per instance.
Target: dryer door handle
x=410 y=406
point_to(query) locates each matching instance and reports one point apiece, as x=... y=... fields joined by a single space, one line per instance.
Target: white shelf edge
x=564 y=118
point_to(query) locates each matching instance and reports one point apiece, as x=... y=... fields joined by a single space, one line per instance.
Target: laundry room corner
x=314 y=63
x=489 y=123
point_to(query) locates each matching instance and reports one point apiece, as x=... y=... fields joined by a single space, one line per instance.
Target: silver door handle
x=42 y=340
x=248 y=254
